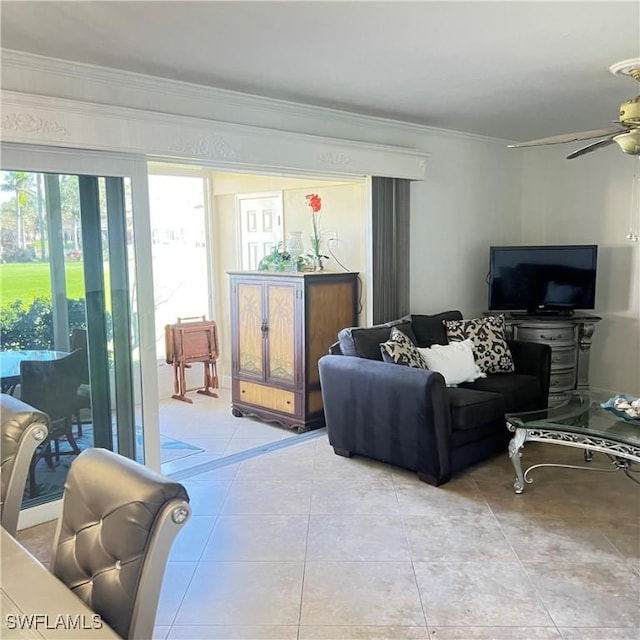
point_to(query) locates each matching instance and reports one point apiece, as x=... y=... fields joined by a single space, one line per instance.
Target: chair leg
x=46 y=454
x=33 y=487
x=71 y=440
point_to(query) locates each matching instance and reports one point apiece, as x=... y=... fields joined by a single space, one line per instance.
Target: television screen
x=543 y=278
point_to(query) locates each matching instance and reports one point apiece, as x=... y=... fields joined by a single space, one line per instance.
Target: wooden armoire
x=282 y=324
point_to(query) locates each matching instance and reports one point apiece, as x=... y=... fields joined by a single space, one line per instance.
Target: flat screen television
x=543 y=279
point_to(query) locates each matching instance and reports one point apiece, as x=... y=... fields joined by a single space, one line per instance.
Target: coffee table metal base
x=622 y=456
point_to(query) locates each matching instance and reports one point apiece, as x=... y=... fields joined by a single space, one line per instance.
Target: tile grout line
x=394 y=482
x=306 y=549
x=520 y=562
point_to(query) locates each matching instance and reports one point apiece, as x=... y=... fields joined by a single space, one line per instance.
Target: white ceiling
x=512 y=70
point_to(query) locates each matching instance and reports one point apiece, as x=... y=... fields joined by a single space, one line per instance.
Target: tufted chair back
x=119 y=520
x=23 y=429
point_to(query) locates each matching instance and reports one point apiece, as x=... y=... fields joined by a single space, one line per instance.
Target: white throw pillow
x=454 y=361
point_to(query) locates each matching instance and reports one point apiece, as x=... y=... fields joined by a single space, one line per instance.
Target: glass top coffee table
x=580 y=422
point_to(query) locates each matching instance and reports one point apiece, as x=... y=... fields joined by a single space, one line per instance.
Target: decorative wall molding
x=207 y=145
x=335 y=158
x=45 y=120
x=27 y=123
x=31 y=73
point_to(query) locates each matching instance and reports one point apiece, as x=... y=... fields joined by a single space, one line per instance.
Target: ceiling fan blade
x=591 y=147
x=570 y=137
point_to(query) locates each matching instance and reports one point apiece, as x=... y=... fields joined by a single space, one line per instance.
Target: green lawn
x=28 y=280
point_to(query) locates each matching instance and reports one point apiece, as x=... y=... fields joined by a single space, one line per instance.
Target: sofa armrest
x=534 y=359
x=388 y=412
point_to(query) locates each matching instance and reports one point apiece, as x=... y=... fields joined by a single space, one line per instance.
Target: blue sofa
x=408 y=417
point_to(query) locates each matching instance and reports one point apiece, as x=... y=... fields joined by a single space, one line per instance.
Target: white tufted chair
x=119 y=520
x=23 y=429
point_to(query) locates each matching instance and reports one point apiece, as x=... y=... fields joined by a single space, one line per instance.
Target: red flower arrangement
x=315 y=202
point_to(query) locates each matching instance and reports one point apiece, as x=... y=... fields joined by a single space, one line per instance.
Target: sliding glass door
x=70 y=283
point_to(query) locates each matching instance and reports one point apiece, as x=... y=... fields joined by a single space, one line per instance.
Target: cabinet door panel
x=250 y=340
x=282 y=328
x=268 y=397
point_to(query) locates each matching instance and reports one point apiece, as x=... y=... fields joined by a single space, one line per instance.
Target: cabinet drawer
x=563 y=358
x=562 y=381
x=267 y=397
x=549 y=335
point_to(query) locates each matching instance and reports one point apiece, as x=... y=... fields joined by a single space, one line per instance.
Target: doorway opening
x=205 y=223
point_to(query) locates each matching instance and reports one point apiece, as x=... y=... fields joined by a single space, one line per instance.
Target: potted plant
x=281 y=260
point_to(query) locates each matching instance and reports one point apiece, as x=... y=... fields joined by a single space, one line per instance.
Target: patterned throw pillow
x=490 y=347
x=400 y=350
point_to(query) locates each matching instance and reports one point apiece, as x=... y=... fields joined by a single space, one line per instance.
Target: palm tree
x=70 y=203
x=21 y=184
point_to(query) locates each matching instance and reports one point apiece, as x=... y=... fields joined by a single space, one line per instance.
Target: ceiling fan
x=626 y=133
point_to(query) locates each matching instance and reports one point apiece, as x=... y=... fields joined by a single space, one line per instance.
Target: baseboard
x=39 y=514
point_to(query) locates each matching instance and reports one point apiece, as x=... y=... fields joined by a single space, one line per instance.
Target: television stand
x=568 y=335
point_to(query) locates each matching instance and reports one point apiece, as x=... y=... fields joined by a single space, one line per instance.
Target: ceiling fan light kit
x=629 y=142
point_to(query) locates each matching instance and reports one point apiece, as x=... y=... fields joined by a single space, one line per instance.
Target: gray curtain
x=390 y=212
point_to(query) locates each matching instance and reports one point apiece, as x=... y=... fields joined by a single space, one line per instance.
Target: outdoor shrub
x=17 y=254
x=31 y=327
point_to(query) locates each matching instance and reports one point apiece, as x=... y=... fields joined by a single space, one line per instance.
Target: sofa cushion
x=364 y=342
x=453 y=361
x=521 y=392
x=431 y=329
x=471 y=409
x=490 y=346
x=399 y=349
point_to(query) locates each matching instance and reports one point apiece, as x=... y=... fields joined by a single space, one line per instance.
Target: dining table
x=10 y=364
x=35 y=604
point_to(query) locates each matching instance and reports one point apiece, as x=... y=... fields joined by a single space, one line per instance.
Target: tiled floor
x=301 y=544
x=208 y=424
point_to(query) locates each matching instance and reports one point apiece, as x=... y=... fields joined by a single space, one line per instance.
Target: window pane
x=65 y=328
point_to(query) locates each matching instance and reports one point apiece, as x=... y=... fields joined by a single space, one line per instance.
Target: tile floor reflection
x=301 y=544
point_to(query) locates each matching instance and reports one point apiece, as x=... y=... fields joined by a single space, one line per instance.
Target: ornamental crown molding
x=88 y=75
x=37 y=119
x=27 y=123
x=206 y=145
x=19 y=100
x=335 y=158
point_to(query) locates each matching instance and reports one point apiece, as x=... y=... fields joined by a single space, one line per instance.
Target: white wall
x=587 y=200
x=469 y=201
